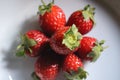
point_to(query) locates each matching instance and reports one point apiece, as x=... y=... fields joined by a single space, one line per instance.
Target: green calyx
x=88 y=13
x=45 y=8
x=81 y=74
x=72 y=38
x=34 y=76
x=25 y=45
x=96 y=50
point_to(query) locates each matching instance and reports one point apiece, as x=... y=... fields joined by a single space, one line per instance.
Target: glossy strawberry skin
x=41 y=40
x=47 y=66
x=52 y=21
x=56 y=42
x=72 y=62
x=82 y=25
x=86 y=45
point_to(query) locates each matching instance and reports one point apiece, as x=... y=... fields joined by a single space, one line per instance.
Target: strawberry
x=65 y=40
x=47 y=66
x=73 y=68
x=90 y=48
x=32 y=42
x=83 y=19
x=51 y=18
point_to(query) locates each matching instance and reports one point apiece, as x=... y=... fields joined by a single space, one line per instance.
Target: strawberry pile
x=61 y=45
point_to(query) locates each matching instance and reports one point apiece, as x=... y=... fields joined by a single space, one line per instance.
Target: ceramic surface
x=19 y=16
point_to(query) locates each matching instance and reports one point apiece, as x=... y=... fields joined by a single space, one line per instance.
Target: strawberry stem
x=96 y=51
x=88 y=13
x=72 y=38
x=25 y=45
x=45 y=8
x=81 y=74
x=43 y=2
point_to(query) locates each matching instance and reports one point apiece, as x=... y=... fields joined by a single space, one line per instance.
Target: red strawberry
x=47 y=66
x=32 y=42
x=51 y=18
x=90 y=48
x=65 y=40
x=83 y=19
x=72 y=62
x=73 y=67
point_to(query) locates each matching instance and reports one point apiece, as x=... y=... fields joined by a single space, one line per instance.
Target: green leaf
x=34 y=76
x=31 y=42
x=96 y=50
x=28 y=42
x=81 y=74
x=20 y=53
x=30 y=50
x=88 y=13
x=45 y=8
x=101 y=42
x=72 y=38
x=19 y=46
x=67 y=75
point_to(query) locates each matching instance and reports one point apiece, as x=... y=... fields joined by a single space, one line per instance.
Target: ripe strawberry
x=72 y=62
x=73 y=67
x=51 y=18
x=47 y=66
x=32 y=42
x=90 y=48
x=83 y=19
x=65 y=40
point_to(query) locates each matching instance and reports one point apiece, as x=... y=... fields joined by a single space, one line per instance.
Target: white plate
x=18 y=16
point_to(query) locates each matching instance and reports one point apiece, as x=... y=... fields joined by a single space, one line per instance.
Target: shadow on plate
x=21 y=67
